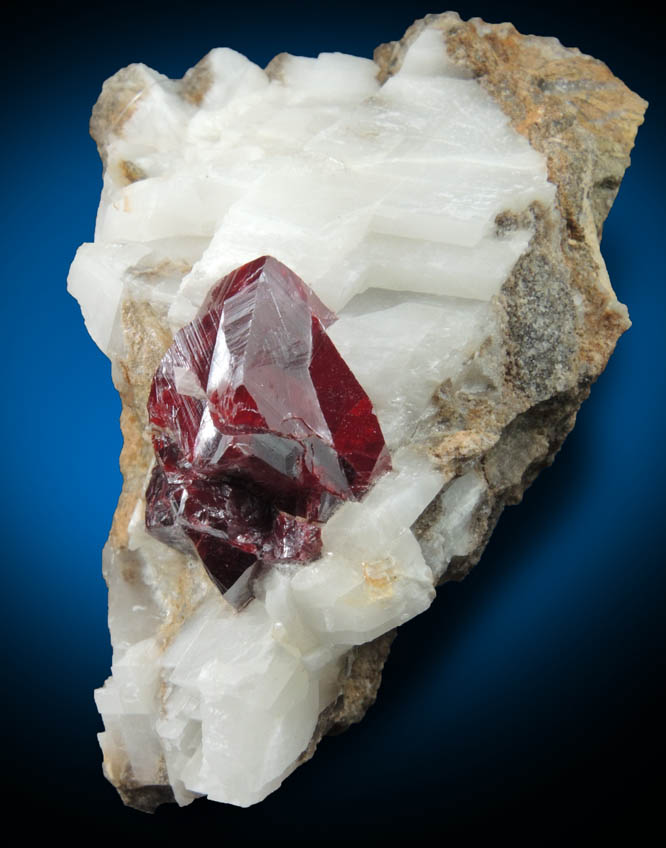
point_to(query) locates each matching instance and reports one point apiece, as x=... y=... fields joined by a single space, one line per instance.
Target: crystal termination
x=260 y=429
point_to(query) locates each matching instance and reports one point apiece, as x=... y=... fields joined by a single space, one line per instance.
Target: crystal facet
x=259 y=427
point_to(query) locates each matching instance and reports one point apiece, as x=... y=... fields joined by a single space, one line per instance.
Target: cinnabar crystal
x=260 y=429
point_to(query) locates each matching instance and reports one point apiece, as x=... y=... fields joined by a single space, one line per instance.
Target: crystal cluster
x=260 y=428
x=445 y=201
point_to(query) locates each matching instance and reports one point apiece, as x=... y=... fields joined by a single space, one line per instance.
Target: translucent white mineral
x=385 y=199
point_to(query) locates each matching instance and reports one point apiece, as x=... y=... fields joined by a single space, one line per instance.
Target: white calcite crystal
x=446 y=201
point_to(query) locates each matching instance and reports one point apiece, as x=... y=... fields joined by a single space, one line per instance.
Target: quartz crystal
x=259 y=427
x=445 y=200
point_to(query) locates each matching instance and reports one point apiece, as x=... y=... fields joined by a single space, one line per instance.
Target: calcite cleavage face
x=260 y=429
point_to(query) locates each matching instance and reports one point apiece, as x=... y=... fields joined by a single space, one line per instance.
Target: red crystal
x=260 y=429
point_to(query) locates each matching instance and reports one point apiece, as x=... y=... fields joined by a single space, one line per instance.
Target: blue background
x=529 y=697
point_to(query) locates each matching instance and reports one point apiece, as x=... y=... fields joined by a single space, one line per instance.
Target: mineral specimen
x=446 y=201
x=281 y=431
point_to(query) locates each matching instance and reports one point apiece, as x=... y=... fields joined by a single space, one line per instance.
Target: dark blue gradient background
x=529 y=698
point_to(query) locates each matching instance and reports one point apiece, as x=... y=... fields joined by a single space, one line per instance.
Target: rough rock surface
x=584 y=120
x=490 y=432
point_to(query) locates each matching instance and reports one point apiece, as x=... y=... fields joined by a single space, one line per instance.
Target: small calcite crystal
x=446 y=201
x=259 y=427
